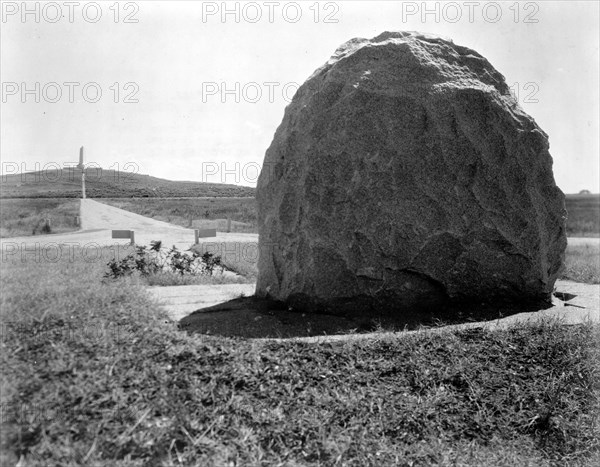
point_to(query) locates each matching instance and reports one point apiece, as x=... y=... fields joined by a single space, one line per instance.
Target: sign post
x=124 y=234
x=203 y=233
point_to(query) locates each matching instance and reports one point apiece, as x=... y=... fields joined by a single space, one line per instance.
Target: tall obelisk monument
x=80 y=165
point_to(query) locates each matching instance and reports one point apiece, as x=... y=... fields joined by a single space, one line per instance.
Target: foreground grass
x=94 y=375
x=582 y=264
x=23 y=217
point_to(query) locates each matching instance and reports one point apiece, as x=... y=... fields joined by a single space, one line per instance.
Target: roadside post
x=124 y=234
x=203 y=233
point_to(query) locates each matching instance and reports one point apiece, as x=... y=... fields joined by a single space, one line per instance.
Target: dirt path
x=98 y=219
x=96 y=215
x=181 y=300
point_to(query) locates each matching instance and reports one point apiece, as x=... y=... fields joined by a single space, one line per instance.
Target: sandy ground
x=180 y=301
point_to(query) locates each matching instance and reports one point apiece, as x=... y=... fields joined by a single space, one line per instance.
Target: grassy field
x=94 y=374
x=20 y=217
x=582 y=264
x=196 y=212
x=583 y=215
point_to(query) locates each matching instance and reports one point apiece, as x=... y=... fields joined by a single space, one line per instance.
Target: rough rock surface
x=404 y=173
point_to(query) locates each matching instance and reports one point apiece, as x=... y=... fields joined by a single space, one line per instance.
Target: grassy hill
x=101 y=183
x=583 y=209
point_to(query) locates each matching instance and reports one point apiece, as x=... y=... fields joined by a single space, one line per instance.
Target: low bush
x=156 y=259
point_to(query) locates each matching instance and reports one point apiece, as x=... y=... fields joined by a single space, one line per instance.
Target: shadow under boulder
x=253 y=317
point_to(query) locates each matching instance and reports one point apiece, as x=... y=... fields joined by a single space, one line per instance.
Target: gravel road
x=98 y=219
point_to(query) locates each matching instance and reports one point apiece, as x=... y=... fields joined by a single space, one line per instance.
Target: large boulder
x=405 y=174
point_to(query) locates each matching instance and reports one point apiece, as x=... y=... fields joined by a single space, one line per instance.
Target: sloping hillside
x=101 y=183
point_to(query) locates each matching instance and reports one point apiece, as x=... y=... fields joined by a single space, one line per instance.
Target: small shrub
x=156 y=259
x=42 y=226
x=211 y=262
x=46 y=229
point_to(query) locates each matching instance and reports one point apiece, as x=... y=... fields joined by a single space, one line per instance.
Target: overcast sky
x=176 y=70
